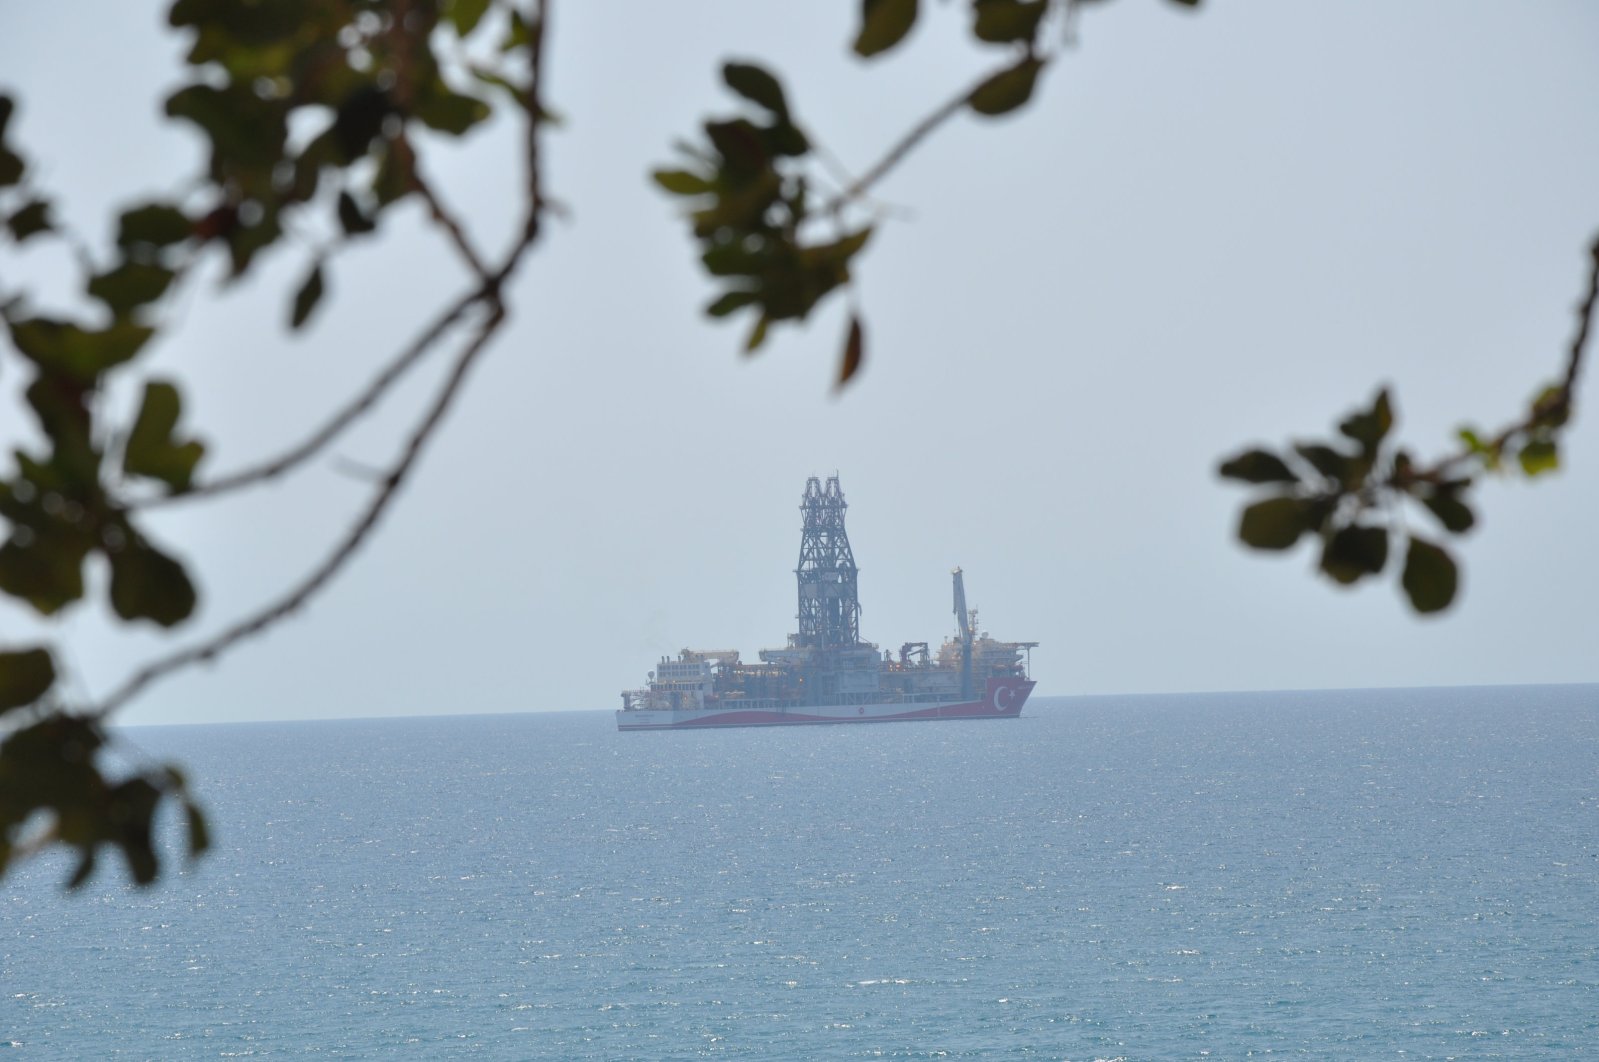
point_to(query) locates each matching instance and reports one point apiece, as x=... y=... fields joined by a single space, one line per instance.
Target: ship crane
x=963 y=623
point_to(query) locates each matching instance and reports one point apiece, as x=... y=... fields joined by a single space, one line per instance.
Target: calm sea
x=1340 y=875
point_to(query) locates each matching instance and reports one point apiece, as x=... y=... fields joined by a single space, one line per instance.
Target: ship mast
x=829 y=611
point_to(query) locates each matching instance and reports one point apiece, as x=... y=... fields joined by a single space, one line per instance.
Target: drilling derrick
x=829 y=611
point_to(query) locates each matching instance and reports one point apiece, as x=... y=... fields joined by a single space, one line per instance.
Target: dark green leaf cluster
x=307 y=108
x=1349 y=493
x=54 y=766
x=750 y=202
x=750 y=197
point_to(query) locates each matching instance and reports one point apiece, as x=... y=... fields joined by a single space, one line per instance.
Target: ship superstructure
x=826 y=673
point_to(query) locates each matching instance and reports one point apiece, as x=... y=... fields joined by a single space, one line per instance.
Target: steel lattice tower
x=829 y=611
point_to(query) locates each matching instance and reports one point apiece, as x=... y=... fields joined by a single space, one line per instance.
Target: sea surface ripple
x=1335 y=875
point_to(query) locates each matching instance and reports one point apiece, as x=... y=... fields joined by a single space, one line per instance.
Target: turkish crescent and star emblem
x=1002 y=697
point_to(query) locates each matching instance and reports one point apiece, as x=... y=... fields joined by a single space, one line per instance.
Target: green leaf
x=148 y=584
x=757 y=335
x=1006 y=21
x=62 y=346
x=1354 y=552
x=1454 y=514
x=756 y=85
x=1008 y=89
x=682 y=182
x=155 y=224
x=451 y=112
x=730 y=302
x=1275 y=523
x=1431 y=577
x=130 y=285
x=352 y=219
x=47 y=572
x=1539 y=456
x=11 y=167
x=152 y=449
x=30 y=220
x=1369 y=428
x=25 y=676
x=305 y=300
x=1324 y=459
x=199 y=830
x=464 y=15
x=1258 y=466
x=854 y=352
x=359 y=120
x=884 y=23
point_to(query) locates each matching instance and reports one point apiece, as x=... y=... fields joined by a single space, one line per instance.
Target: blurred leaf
x=464 y=15
x=1430 y=578
x=1324 y=459
x=359 y=120
x=155 y=224
x=352 y=219
x=757 y=335
x=854 y=352
x=310 y=293
x=756 y=85
x=1258 y=466
x=130 y=285
x=1369 y=428
x=1454 y=514
x=682 y=182
x=63 y=346
x=1353 y=552
x=44 y=569
x=25 y=676
x=884 y=23
x=152 y=449
x=1551 y=408
x=451 y=112
x=148 y=584
x=1539 y=456
x=199 y=829
x=1006 y=21
x=1275 y=523
x=129 y=814
x=247 y=132
x=730 y=302
x=30 y=220
x=11 y=167
x=1008 y=89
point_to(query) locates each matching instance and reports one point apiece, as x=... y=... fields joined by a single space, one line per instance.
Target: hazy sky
x=1208 y=230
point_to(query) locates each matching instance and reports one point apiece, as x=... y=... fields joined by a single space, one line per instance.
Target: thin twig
x=908 y=143
x=446 y=220
x=336 y=425
x=1558 y=407
x=353 y=539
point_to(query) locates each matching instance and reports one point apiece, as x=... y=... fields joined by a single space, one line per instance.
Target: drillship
x=826 y=674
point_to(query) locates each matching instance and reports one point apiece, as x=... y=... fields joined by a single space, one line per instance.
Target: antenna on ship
x=829 y=610
x=963 y=623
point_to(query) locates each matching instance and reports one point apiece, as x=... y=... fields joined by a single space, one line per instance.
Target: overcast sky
x=1207 y=230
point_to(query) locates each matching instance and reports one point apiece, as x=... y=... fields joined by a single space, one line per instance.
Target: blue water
x=1351 y=875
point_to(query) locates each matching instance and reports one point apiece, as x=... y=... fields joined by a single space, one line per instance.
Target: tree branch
x=907 y=143
x=361 y=404
x=442 y=216
x=352 y=541
x=1553 y=410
